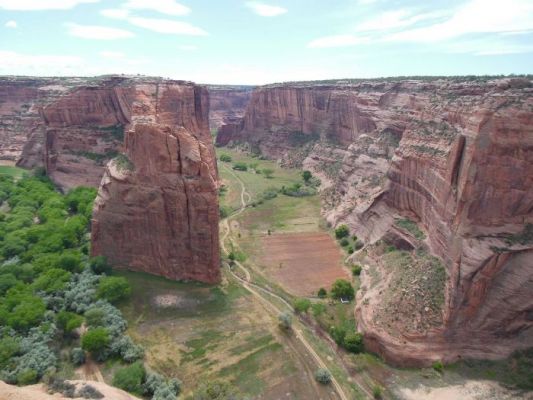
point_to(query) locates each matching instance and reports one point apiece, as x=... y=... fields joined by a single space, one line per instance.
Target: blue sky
x=258 y=42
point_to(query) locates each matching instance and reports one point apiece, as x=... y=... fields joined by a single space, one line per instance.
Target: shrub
x=130 y=378
x=302 y=305
x=285 y=321
x=8 y=348
x=52 y=281
x=70 y=262
x=95 y=341
x=438 y=366
x=77 y=356
x=216 y=390
x=342 y=231
x=225 y=158
x=353 y=342
x=89 y=392
x=356 y=270
x=113 y=289
x=342 y=289
x=323 y=376
x=7 y=281
x=94 y=317
x=344 y=242
x=377 y=392
x=322 y=293
x=68 y=321
x=27 y=377
x=129 y=351
x=307 y=175
x=80 y=291
x=224 y=211
x=359 y=245
x=317 y=309
x=350 y=250
x=99 y=265
x=268 y=172
x=240 y=166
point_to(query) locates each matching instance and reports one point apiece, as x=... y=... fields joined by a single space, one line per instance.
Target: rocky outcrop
x=227 y=102
x=157 y=208
x=453 y=157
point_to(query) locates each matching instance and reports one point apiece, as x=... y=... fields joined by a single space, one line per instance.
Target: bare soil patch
x=302 y=262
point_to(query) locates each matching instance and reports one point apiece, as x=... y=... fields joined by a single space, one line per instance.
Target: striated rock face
x=452 y=157
x=226 y=103
x=157 y=207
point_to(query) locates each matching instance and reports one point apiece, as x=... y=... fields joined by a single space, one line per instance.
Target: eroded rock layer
x=439 y=167
x=157 y=207
x=227 y=102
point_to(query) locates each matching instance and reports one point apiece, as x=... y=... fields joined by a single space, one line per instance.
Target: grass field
x=197 y=333
x=11 y=170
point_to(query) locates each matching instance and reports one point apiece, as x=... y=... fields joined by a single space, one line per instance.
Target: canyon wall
x=442 y=167
x=227 y=103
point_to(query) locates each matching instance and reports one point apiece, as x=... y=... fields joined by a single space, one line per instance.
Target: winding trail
x=254 y=289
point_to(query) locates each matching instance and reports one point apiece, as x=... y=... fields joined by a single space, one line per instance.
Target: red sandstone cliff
x=456 y=157
x=227 y=102
x=157 y=207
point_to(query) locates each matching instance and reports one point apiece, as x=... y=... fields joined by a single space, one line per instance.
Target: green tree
x=307 y=175
x=322 y=293
x=225 y=158
x=356 y=270
x=342 y=289
x=353 y=342
x=68 y=321
x=130 y=378
x=53 y=280
x=7 y=281
x=216 y=390
x=27 y=377
x=240 y=166
x=302 y=305
x=95 y=341
x=113 y=289
x=342 y=231
x=99 y=265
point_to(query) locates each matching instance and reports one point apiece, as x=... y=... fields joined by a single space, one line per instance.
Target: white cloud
x=337 y=41
x=187 y=47
x=366 y=2
x=265 y=10
x=395 y=19
x=169 y=7
x=476 y=16
x=111 y=54
x=30 y=5
x=116 y=13
x=97 y=32
x=42 y=64
x=167 y=26
x=11 y=24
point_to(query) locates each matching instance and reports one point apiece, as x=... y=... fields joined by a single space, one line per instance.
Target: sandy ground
x=38 y=392
x=471 y=390
x=7 y=163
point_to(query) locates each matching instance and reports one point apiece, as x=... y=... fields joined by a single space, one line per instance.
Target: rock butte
x=454 y=156
x=161 y=215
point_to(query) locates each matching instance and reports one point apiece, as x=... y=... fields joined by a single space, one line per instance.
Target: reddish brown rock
x=157 y=207
x=454 y=156
x=226 y=103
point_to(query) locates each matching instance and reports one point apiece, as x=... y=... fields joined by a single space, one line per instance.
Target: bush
x=225 y=158
x=89 y=392
x=240 y=166
x=216 y=390
x=77 y=356
x=27 y=377
x=344 y=242
x=323 y=376
x=353 y=342
x=350 y=250
x=268 y=172
x=359 y=245
x=95 y=341
x=302 y=305
x=377 y=392
x=68 y=321
x=94 y=317
x=113 y=289
x=70 y=262
x=342 y=231
x=130 y=378
x=99 y=265
x=322 y=293
x=285 y=321
x=438 y=366
x=129 y=351
x=342 y=289
x=356 y=270
x=307 y=175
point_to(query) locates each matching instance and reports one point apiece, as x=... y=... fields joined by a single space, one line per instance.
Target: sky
x=260 y=42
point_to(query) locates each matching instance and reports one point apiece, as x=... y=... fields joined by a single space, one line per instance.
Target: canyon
x=145 y=142
x=434 y=176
